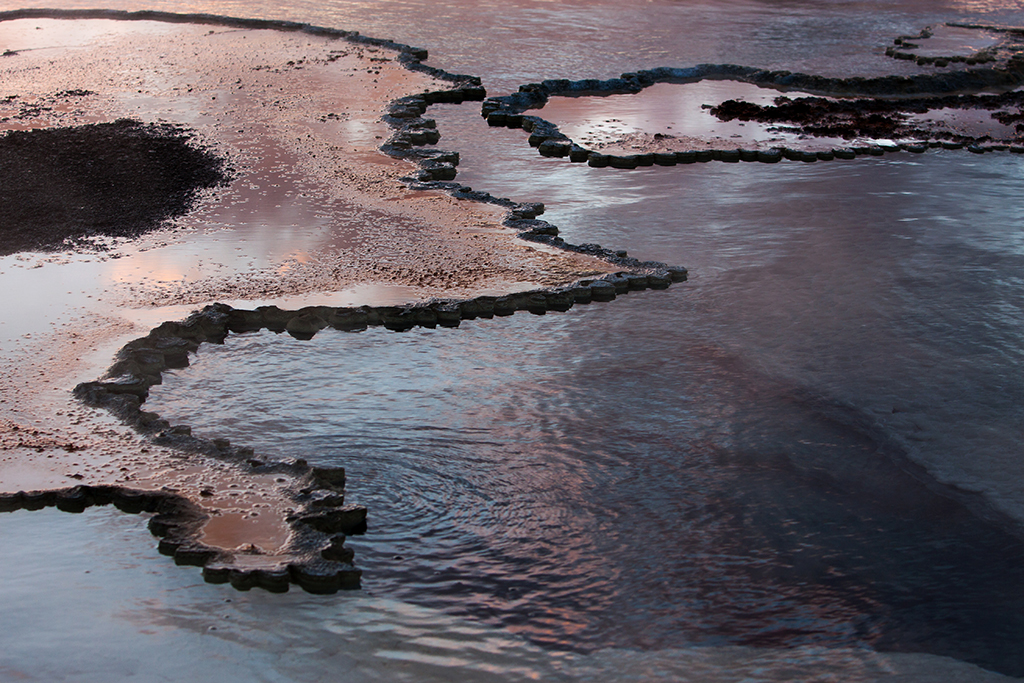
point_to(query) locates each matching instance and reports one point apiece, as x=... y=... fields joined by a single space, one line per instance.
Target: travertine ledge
x=1004 y=73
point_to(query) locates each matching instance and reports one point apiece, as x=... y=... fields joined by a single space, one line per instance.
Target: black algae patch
x=61 y=186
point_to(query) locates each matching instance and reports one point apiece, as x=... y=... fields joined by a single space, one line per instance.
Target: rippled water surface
x=620 y=481
x=107 y=607
x=814 y=443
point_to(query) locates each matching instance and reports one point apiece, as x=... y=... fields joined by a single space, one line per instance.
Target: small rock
x=9 y=502
x=74 y=499
x=193 y=554
x=448 y=315
x=324 y=576
x=554 y=148
x=336 y=550
x=348 y=319
x=504 y=305
x=678 y=273
x=537 y=304
x=637 y=281
x=659 y=281
x=578 y=154
x=627 y=161
x=581 y=294
x=329 y=477
x=348 y=520
x=602 y=290
x=560 y=301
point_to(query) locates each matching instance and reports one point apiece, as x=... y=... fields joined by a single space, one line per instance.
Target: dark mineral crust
x=61 y=186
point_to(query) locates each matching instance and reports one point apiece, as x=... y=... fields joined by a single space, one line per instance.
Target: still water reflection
x=665 y=111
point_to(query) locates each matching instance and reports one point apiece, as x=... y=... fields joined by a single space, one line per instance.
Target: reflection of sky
x=44 y=34
x=679 y=110
x=973 y=122
x=39 y=298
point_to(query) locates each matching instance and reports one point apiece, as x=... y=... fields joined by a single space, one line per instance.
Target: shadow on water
x=674 y=495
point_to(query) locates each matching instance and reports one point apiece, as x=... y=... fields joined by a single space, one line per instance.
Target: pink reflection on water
x=672 y=116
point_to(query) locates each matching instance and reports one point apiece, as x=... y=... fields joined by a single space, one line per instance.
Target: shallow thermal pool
x=628 y=123
x=802 y=464
x=556 y=478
